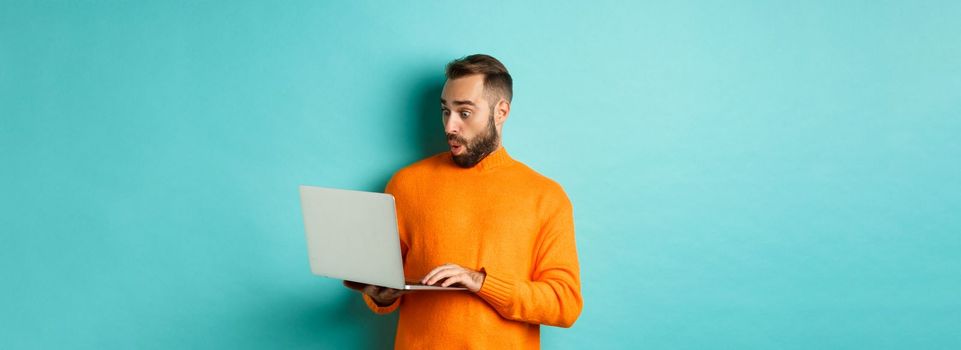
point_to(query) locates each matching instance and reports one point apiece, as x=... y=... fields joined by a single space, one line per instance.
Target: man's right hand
x=382 y=296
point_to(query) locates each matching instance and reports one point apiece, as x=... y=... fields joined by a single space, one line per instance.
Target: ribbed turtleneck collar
x=498 y=158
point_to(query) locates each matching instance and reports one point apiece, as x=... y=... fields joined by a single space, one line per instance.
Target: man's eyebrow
x=459 y=102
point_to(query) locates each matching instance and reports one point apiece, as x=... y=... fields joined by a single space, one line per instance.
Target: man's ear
x=502 y=111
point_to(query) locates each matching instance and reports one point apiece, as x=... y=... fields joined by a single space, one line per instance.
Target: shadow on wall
x=422 y=129
x=424 y=133
x=430 y=130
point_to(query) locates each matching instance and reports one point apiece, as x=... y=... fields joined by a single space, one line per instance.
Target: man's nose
x=452 y=126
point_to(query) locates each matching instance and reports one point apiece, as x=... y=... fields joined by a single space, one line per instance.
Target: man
x=474 y=217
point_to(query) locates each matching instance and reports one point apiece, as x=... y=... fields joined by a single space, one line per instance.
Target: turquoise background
x=745 y=175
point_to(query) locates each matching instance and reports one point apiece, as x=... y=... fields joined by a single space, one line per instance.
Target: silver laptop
x=352 y=235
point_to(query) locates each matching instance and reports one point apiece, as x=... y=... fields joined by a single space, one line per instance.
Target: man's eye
x=444 y=111
x=464 y=114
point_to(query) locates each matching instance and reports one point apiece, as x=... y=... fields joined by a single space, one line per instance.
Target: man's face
x=469 y=122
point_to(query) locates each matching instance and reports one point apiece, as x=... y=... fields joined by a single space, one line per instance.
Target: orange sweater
x=499 y=217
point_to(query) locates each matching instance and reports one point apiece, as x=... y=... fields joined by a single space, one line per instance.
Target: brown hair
x=497 y=81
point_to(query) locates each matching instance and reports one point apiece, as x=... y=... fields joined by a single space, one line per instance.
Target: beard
x=477 y=148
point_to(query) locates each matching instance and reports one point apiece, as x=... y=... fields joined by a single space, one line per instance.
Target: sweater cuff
x=381 y=310
x=497 y=291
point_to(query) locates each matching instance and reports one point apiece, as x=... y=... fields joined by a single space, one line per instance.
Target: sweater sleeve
x=553 y=295
x=381 y=310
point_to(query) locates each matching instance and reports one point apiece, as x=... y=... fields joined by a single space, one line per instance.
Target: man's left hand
x=452 y=273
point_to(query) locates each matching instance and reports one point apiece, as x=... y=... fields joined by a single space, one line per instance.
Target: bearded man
x=476 y=218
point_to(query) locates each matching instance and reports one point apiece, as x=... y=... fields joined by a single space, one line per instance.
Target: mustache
x=458 y=139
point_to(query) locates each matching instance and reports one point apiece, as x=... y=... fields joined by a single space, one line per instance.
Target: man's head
x=475 y=102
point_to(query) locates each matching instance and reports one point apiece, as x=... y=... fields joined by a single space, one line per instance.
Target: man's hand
x=451 y=273
x=382 y=296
